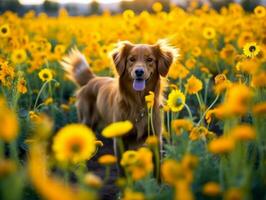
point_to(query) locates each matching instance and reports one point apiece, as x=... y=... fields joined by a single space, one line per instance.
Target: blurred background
x=90 y=7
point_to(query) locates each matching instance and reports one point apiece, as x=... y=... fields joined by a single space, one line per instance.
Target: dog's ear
x=119 y=56
x=165 y=55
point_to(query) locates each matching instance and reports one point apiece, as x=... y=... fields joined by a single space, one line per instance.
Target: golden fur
x=106 y=99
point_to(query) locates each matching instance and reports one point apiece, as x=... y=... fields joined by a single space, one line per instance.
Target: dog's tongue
x=138 y=84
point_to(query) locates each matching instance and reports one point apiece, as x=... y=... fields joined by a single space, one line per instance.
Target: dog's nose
x=139 y=72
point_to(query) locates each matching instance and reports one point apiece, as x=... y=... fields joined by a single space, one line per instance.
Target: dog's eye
x=149 y=60
x=132 y=59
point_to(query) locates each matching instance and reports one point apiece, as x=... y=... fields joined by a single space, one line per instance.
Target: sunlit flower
x=243 y=132
x=46 y=75
x=129 y=158
x=9 y=123
x=193 y=85
x=21 y=86
x=176 y=100
x=132 y=195
x=251 y=49
x=92 y=180
x=107 y=159
x=117 y=129
x=152 y=141
x=211 y=189
x=198 y=133
x=233 y=194
x=258 y=80
x=7 y=167
x=150 y=99
x=181 y=124
x=18 y=56
x=209 y=33
x=260 y=108
x=4 y=31
x=260 y=11
x=221 y=145
x=157 y=7
x=74 y=143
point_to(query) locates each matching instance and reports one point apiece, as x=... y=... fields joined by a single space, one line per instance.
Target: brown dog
x=106 y=99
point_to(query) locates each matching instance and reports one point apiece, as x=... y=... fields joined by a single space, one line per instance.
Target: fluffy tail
x=77 y=68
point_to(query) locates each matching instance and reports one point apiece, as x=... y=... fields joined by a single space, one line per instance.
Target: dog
x=139 y=70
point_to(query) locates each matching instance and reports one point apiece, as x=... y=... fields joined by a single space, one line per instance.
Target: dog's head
x=142 y=61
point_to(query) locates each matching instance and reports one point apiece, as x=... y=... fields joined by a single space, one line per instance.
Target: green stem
x=157 y=162
x=212 y=104
x=107 y=174
x=120 y=145
x=151 y=120
x=39 y=94
x=189 y=112
x=2 y=149
x=13 y=151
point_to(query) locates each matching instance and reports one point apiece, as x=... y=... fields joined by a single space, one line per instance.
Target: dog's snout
x=139 y=72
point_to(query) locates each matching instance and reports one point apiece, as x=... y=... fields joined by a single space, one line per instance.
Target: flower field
x=214 y=112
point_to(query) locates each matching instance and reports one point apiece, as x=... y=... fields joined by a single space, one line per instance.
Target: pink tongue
x=138 y=85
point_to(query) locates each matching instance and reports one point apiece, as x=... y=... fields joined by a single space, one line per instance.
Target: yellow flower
x=243 y=132
x=209 y=33
x=172 y=172
x=221 y=83
x=21 y=86
x=48 y=186
x=59 y=49
x=131 y=195
x=48 y=101
x=251 y=49
x=46 y=75
x=260 y=11
x=9 y=123
x=117 y=129
x=4 y=31
x=7 y=167
x=198 y=133
x=138 y=163
x=176 y=100
x=150 y=99
x=18 y=56
x=221 y=145
x=157 y=7
x=211 y=189
x=209 y=115
x=177 y=70
x=193 y=85
x=128 y=14
x=258 y=80
x=93 y=181
x=152 y=141
x=143 y=166
x=189 y=161
x=107 y=159
x=129 y=158
x=259 y=109
x=196 y=51
x=181 y=124
x=233 y=194
x=74 y=143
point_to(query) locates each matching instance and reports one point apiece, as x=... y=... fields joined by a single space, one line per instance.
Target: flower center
x=75 y=148
x=4 y=30
x=45 y=76
x=252 y=48
x=178 y=102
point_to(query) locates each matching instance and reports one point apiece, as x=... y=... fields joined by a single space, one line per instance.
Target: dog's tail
x=77 y=68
